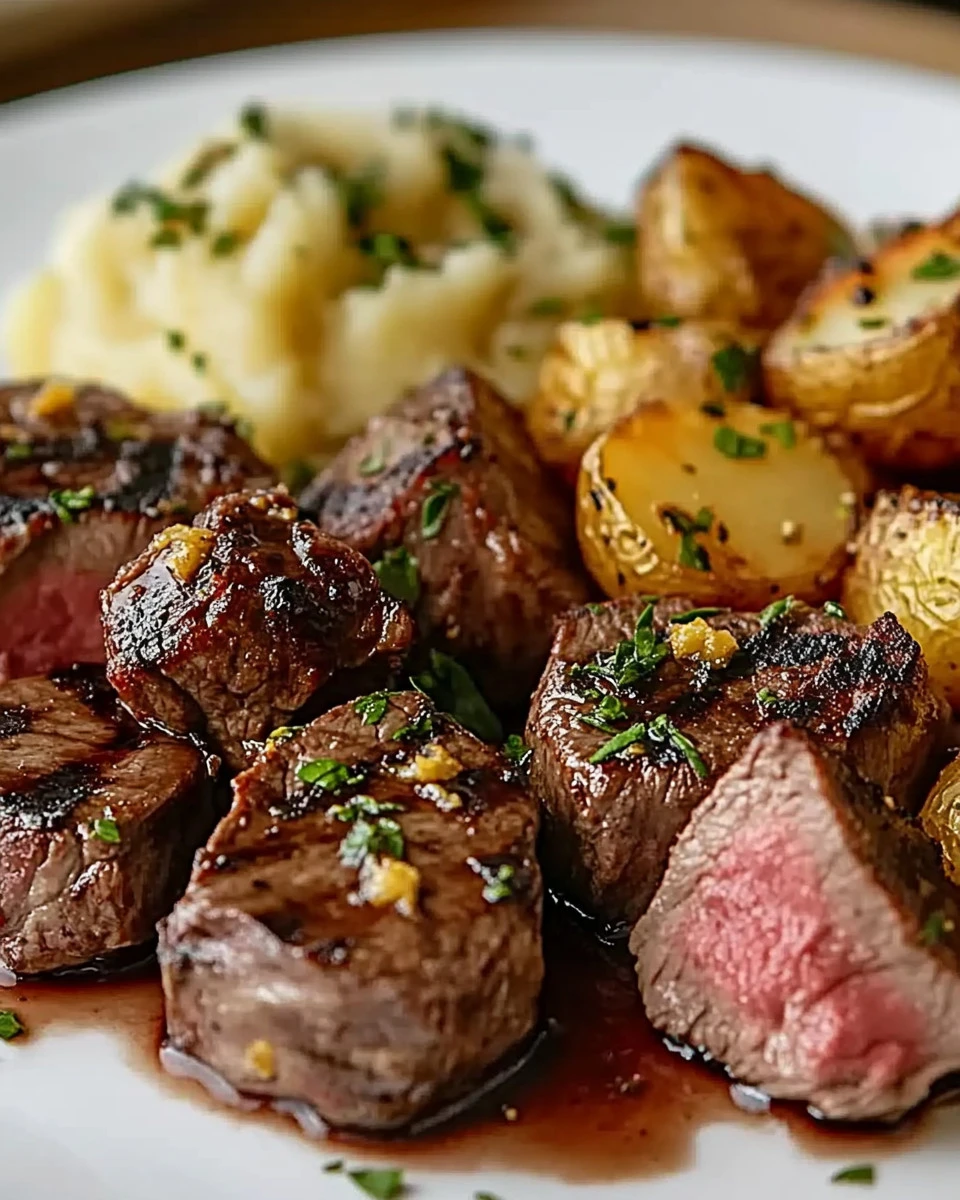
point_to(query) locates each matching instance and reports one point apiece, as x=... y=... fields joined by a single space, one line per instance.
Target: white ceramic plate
x=77 y=1121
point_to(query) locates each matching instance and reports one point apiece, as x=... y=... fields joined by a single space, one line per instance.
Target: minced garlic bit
x=385 y=881
x=439 y=796
x=189 y=547
x=791 y=532
x=265 y=504
x=432 y=764
x=259 y=1058
x=53 y=397
x=510 y=1113
x=713 y=646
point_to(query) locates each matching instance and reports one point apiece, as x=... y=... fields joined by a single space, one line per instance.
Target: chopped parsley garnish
x=765 y=696
x=67 y=502
x=434 y=512
x=516 y=751
x=329 y=774
x=334 y=1167
x=734 y=365
x=548 y=306
x=833 y=609
x=176 y=339
x=873 y=322
x=630 y=660
x=713 y=408
x=18 y=451
x=620 y=741
x=591 y=315
x=225 y=243
x=738 y=445
x=692 y=614
x=366 y=838
x=166 y=239
x=499 y=879
x=388 y=250
x=254 y=123
x=206 y=161
x=864 y=1174
x=362 y=806
x=692 y=554
x=665 y=322
x=283 y=733
x=360 y=194
x=463 y=174
x=776 y=610
x=105 y=830
x=450 y=687
x=372 y=463
x=620 y=233
x=496 y=227
x=373 y=708
x=594 y=607
x=414 y=731
x=604 y=714
x=938 y=266
x=199 y=362
x=934 y=928
x=399 y=574
x=662 y=729
x=485 y=1196
x=784 y=431
x=569 y=419
x=381 y=1184
x=10 y=1024
x=174 y=217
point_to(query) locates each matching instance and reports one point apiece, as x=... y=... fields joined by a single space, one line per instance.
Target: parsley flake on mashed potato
x=306 y=268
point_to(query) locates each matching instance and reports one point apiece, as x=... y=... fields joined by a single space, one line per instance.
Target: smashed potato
x=941 y=817
x=873 y=351
x=593 y=374
x=731 y=510
x=907 y=562
x=715 y=241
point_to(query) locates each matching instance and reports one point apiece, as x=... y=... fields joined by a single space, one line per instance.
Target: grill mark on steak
x=864 y=693
x=502 y=563
x=373 y=1017
x=48 y=801
x=271 y=616
x=14 y=719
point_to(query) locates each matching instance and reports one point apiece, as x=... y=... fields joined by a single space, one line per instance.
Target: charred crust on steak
x=458 y=486
x=47 y=802
x=14 y=719
x=271 y=616
x=863 y=692
x=381 y=1013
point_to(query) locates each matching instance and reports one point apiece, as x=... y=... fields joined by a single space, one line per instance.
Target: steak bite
x=99 y=821
x=86 y=480
x=230 y=626
x=805 y=937
x=635 y=718
x=446 y=493
x=362 y=933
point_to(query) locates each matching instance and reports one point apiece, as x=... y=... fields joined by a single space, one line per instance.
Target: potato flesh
x=784 y=513
x=899 y=299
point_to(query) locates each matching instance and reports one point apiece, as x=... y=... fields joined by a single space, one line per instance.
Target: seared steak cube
x=99 y=821
x=805 y=937
x=446 y=493
x=612 y=813
x=230 y=626
x=86 y=480
x=363 y=932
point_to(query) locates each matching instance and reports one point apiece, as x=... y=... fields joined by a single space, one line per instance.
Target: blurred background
x=49 y=43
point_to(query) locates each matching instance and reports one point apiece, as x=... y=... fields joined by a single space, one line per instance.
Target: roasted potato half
x=907 y=561
x=941 y=817
x=733 y=510
x=715 y=241
x=593 y=374
x=875 y=351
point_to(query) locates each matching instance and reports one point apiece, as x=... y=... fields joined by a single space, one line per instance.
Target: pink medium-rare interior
x=51 y=618
x=758 y=929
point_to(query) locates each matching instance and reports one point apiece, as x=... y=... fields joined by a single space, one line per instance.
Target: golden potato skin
x=907 y=561
x=885 y=371
x=595 y=373
x=941 y=817
x=715 y=241
x=628 y=554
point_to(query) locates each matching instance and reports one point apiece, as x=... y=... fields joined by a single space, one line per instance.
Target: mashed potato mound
x=305 y=268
